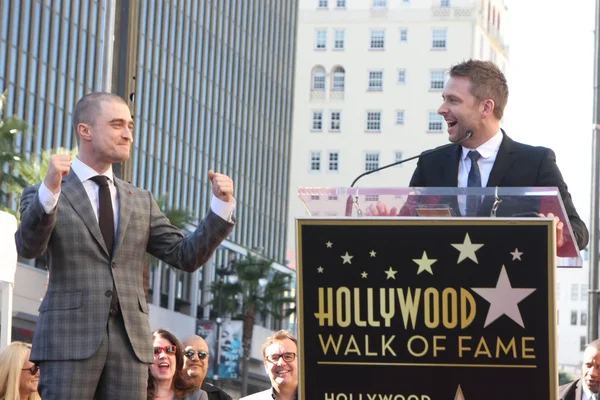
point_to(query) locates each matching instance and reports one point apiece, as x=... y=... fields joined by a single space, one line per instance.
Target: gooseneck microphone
x=468 y=134
x=350 y=200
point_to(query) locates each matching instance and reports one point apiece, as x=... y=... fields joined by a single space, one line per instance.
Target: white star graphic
x=347 y=257
x=372 y=253
x=424 y=263
x=320 y=269
x=459 y=394
x=467 y=249
x=516 y=254
x=329 y=244
x=391 y=274
x=364 y=274
x=503 y=299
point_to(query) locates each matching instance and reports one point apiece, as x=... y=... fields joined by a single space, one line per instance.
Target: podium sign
x=427 y=309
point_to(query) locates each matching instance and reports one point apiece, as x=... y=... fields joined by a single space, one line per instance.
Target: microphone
x=468 y=134
x=350 y=200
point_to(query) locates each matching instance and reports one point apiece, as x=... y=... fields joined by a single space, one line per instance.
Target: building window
x=582 y=343
x=436 y=122
x=583 y=318
x=436 y=80
x=584 y=292
x=445 y=3
x=339 y=79
x=315 y=160
x=339 y=39
x=377 y=39
x=336 y=121
x=401 y=76
x=575 y=291
x=372 y=197
x=398 y=157
x=317 y=121
x=376 y=80
x=323 y=4
x=318 y=81
x=573 y=317
x=371 y=161
x=340 y=3
x=334 y=159
x=321 y=39
x=400 y=117
x=373 y=121
x=379 y=3
x=439 y=38
x=403 y=35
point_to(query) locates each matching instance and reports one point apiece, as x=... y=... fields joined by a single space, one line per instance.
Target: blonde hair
x=277 y=337
x=12 y=359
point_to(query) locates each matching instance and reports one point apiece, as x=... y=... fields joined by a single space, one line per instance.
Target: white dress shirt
x=488 y=152
x=84 y=173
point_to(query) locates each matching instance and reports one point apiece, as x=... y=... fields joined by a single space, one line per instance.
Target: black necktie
x=105 y=212
x=474 y=180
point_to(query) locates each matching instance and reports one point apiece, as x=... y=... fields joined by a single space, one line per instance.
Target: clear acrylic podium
x=514 y=203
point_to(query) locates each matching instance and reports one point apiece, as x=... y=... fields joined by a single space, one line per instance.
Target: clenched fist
x=59 y=166
x=222 y=186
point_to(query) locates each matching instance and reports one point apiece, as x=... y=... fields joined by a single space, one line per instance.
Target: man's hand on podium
x=380 y=209
x=560 y=239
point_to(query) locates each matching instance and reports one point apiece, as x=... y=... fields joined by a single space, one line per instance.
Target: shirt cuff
x=48 y=200
x=222 y=208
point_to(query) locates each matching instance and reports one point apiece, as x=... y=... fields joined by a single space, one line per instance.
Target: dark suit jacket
x=516 y=165
x=75 y=309
x=214 y=393
x=571 y=391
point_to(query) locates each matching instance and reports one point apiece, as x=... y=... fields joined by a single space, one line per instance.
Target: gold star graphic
x=391 y=274
x=467 y=249
x=516 y=254
x=320 y=269
x=329 y=244
x=424 y=263
x=459 y=394
x=347 y=258
x=364 y=274
x=372 y=253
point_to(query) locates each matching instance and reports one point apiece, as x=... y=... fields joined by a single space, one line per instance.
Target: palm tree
x=257 y=291
x=10 y=127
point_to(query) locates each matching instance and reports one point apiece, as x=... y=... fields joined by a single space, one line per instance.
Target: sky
x=551 y=84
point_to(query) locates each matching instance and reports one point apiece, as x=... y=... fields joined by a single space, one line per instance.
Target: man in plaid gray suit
x=92 y=338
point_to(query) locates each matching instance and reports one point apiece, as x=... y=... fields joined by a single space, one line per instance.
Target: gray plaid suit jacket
x=75 y=310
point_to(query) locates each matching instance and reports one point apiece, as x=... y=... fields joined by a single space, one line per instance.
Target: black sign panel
x=426 y=309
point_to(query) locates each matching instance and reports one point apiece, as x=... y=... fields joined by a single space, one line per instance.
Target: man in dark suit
x=93 y=338
x=587 y=387
x=473 y=100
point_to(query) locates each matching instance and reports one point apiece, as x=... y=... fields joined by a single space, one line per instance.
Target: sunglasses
x=34 y=370
x=167 y=349
x=191 y=353
x=287 y=357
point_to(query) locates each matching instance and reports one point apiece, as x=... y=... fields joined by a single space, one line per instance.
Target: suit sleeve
x=549 y=175
x=417 y=180
x=188 y=253
x=36 y=226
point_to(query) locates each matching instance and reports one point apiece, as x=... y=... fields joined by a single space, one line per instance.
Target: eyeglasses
x=191 y=353
x=287 y=357
x=167 y=349
x=34 y=370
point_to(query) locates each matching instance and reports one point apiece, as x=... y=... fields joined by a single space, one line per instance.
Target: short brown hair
x=487 y=82
x=86 y=109
x=277 y=336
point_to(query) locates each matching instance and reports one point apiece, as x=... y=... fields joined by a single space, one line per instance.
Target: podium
x=429 y=304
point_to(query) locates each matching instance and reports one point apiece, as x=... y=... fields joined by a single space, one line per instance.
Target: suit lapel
x=449 y=166
x=72 y=189
x=125 y=209
x=504 y=160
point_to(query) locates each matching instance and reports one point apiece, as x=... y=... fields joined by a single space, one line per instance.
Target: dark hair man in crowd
x=585 y=388
x=196 y=361
x=280 y=353
x=92 y=338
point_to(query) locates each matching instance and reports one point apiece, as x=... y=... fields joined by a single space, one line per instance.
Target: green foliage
x=564 y=377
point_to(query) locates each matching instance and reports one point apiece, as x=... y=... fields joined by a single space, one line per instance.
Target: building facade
x=213 y=89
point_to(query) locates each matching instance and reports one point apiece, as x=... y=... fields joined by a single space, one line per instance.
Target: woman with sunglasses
x=165 y=377
x=18 y=376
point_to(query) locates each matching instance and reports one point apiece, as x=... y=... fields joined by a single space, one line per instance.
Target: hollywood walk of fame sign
x=426 y=309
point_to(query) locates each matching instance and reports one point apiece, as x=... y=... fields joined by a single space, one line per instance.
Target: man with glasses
x=587 y=387
x=280 y=353
x=195 y=366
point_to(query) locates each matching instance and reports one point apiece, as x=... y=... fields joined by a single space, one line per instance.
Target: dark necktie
x=107 y=227
x=474 y=180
